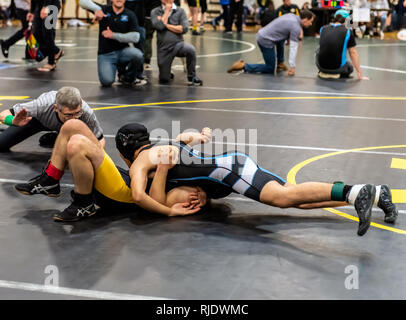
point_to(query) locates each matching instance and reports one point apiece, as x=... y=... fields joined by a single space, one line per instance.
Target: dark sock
x=346 y=191
x=82 y=200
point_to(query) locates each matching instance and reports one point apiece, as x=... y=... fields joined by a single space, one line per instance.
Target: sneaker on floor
x=42 y=184
x=386 y=204
x=195 y=81
x=125 y=81
x=76 y=211
x=48 y=139
x=382 y=35
x=195 y=33
x=140 y=82
x=328 y=75
x=281 y=67
x=4 y=49
x=237 y=66
x=363 y=204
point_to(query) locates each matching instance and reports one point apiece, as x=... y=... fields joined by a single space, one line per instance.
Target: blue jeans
x=272 y=56
x=127 y=61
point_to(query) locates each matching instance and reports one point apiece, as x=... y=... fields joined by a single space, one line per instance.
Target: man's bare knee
x=77 y=144
x=73 y=126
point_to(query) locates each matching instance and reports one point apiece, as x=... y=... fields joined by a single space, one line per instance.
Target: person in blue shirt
x=225 y=14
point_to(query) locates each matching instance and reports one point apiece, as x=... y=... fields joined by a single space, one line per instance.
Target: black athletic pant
x=14 y=135
x=236 y=8
x=149 y=29
x=45 y=38
x=21 y=15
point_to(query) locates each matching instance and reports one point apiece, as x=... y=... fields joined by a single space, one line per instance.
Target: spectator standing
x=380 y=15
x=149 y=30
x=45 y=33
x=236 y=9
x=22 y=9
x=5 y=12
x=225 y=14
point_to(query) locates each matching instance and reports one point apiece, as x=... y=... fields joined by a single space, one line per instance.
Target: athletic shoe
x=48 y=139
x=195 y=81
x=42 y=184
x=237 y=66
x=125 y=81
x=4 y=49
x=214 y=24
x=227 y=32
x=75 y=211
x=386 y=204
x=382 y=35
x=140 y=82
x=195 y=33
x=363 y=204
x=281 y=67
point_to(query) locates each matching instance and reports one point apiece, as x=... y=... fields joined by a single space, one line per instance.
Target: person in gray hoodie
x=171 y=23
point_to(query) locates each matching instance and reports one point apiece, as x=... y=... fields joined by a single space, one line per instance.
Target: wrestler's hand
x=205 y=135
x=21 y=118
x=198 y=198
x=183 y=209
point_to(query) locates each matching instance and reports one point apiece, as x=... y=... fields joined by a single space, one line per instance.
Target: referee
x=46 y=113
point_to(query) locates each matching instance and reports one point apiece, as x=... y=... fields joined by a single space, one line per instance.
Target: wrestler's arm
x=158 y=186
x=187 y=195
x=139 y=176
x=193 y=138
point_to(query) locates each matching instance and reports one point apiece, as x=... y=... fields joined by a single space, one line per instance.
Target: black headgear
x=131 y=137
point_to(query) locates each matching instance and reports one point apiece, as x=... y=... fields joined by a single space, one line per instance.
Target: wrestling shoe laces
x=78 y=210
x=363 y=205
x=386 y=204
x=41 y=184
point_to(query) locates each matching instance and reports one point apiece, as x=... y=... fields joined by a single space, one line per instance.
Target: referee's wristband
x=9 y=120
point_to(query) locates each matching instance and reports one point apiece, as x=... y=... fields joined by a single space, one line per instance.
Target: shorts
x=198 y=3
x=112 y=185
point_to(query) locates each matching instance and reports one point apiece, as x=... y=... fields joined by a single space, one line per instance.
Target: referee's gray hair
x=68 y=97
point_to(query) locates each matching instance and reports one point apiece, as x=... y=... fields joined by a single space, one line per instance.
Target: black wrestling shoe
x=79 y=209
x=48 y=139
x=195 y=81
x=386 y=204
x=363 y=204
x=125 y=81
x=42 y=184
x=4 y=49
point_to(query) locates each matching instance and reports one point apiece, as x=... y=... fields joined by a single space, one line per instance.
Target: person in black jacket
x=268 y=13
x=45 y=31
x=149 y=30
